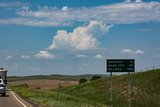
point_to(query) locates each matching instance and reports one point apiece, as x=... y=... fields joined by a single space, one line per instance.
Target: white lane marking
x=18 y=99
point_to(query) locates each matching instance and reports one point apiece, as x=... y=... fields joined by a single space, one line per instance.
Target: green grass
x=49 y=98
x=145 y=92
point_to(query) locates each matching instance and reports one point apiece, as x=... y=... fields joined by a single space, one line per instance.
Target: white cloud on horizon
x=64 y=8
x=81 y=56
x=127 y=1
x=98 y=56
x=12 y=4
x=82 y=38
x=44 y=55
x=118 y=13
x=133 y=52
x=33 y=22
x=25 y=57
x=138 y=1
x=9 y=57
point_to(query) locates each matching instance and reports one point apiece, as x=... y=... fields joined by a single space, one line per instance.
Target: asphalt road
x=13 y=100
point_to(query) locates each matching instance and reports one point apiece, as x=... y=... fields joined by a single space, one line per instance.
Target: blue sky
x=77 y=36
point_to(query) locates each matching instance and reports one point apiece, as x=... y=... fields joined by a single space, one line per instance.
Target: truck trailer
x=3 y=75
x=3 y=81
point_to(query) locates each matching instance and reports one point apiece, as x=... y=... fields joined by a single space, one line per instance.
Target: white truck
x=3 y=75
x=3 y=81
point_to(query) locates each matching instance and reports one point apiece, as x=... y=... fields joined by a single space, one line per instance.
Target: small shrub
x=95 y=77
x=38 y=88
x=82 y=80
x=23 y=85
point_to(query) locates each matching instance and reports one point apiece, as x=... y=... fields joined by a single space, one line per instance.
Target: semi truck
x=3 y=81
x=3 y=75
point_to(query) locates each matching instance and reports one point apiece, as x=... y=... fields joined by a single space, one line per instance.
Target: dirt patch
x=44 y=83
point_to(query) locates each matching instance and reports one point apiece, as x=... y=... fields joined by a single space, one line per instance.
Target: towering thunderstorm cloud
x=82 y=38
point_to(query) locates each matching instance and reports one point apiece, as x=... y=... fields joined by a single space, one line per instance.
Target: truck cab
x=2 y=88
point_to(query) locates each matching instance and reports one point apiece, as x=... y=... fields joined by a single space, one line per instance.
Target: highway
x=13 y=100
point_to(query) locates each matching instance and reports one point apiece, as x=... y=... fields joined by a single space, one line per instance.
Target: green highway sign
x=120 y=65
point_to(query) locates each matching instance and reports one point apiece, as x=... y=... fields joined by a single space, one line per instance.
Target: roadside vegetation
x=145 y=92
x=49 y=98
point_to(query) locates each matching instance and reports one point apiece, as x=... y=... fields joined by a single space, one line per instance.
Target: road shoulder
x=24 y=101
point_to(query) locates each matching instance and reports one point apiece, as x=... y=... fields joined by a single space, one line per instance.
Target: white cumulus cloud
x=98 y=56
x=117 y=13
x=12 y=4
x=82 y=38
x=25 y=57
x=129 y=51
x=81 y=56
x=138 y=1
x=9 y=57
x=44 y=55
x=64 y=8
x=127 y=1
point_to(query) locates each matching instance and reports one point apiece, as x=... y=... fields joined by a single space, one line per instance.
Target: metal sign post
x=59 y=85
x=120 y=65
x=111 y=100
x=129 y=90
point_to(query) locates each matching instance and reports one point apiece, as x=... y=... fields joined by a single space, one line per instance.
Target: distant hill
x=53 y=77
x=145 y=90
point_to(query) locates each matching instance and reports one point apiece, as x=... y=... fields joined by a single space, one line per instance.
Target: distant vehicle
x=2 y=88
x=3 y=75
x=3 y=81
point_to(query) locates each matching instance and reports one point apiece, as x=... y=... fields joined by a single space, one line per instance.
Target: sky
x=74 y=37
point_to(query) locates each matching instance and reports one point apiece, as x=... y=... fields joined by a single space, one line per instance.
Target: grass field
x=44 y=84
x=145 y=92
x=49 y=98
